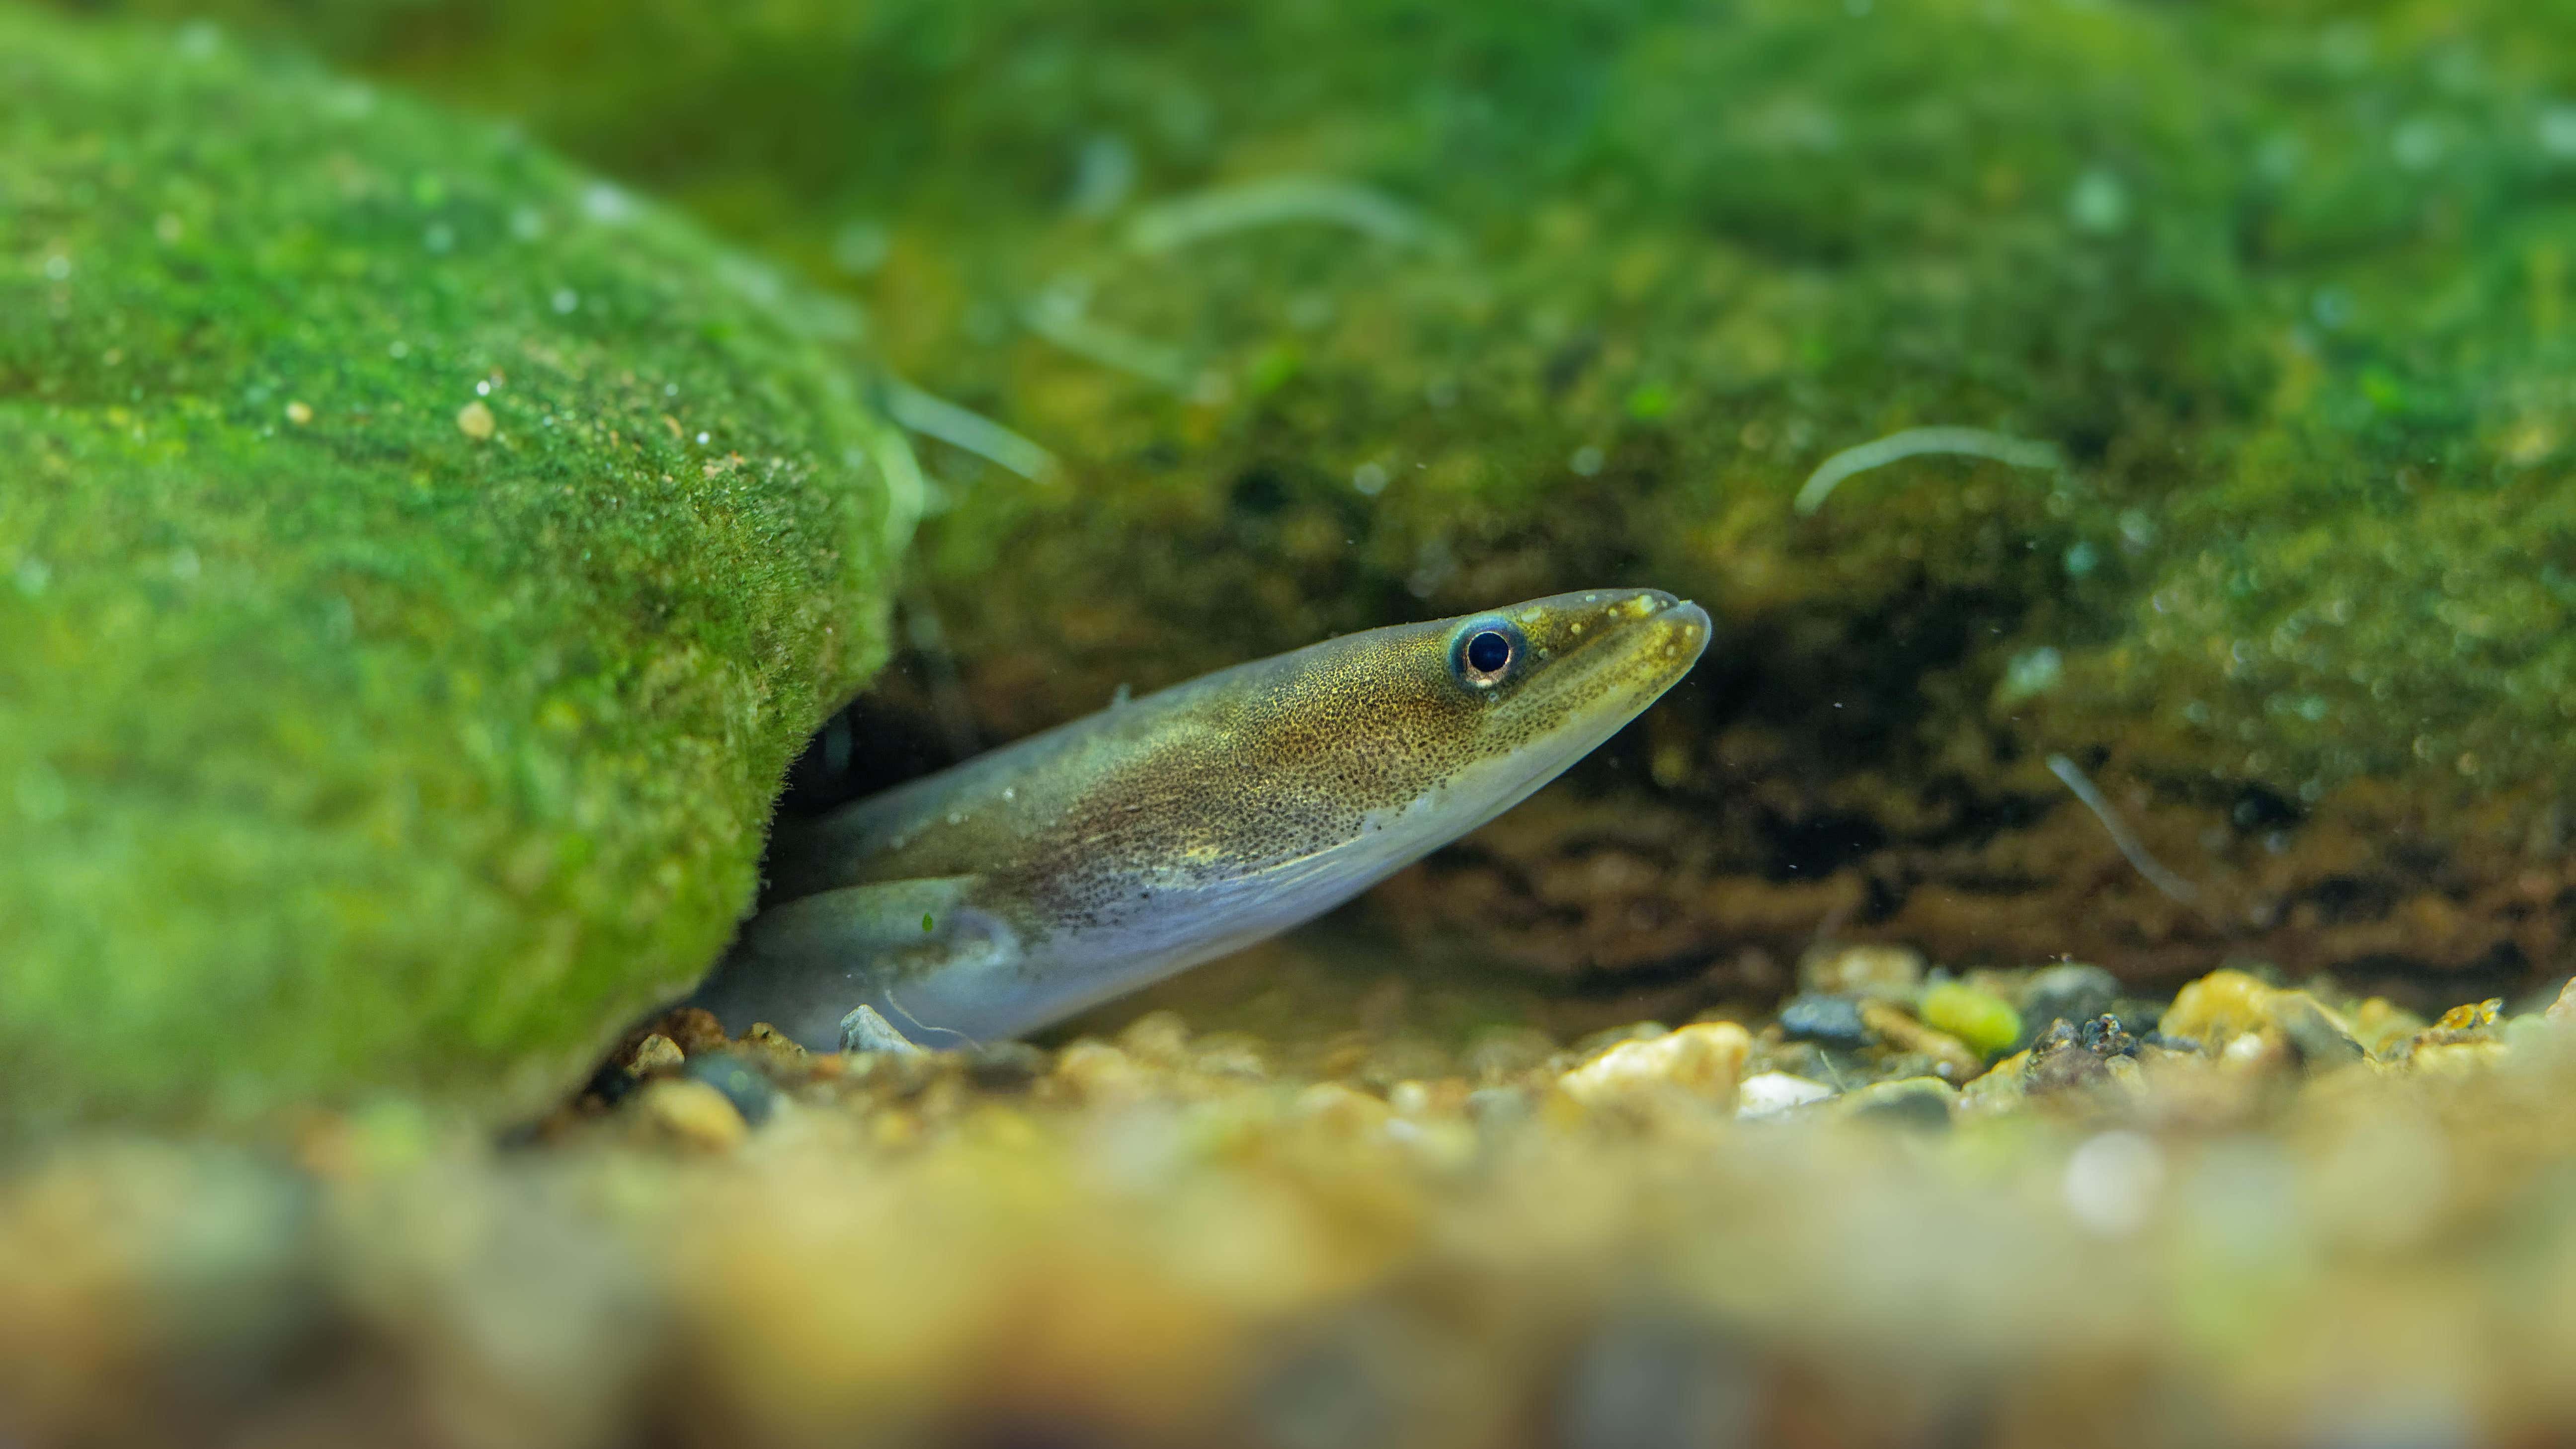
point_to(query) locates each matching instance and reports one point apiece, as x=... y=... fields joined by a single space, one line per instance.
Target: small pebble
x=776 y=1051
x=1879 y=972
x=475 y=421
x=2563 y=1010
x=1922 y=1103
x=2059 y=1062
x=1160 y=1038
x=1999 y=1092
x=1100 y=1071
x=2216 y=1007
x=1230 y=1055
x=695 y=1029
x=738 y=1081
x=1827 y=1020
x=2382 y=1026
x=865 y=1030
x=1704 y=1058
x=2457 y=1058
x=2112 y=1182
x=2471 y=1016
x=2104 y=1036
x=1768 y=1094
x=693 y=1113
x=1986 y=1022
x=656 y=1055
x=2322 y=1043
x=2073 y=992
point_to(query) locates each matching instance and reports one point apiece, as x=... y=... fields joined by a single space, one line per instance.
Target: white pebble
x=1770 y=1093
x=2112 y=1182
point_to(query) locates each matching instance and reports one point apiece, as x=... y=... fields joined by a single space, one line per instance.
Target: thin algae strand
x=1915 y=442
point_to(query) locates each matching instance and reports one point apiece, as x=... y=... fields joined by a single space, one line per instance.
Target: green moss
x=417 y=563
x=2287 y=285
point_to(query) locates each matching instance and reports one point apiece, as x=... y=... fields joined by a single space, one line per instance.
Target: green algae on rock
x=418 y=562
x=1581 y=291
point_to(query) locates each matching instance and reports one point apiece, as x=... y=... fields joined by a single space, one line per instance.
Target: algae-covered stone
x=418 y=561
x=2256 y=317
x=1984 y=1021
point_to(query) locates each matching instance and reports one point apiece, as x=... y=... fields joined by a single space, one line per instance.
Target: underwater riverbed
x=2245 y=1215
x=2077 y=959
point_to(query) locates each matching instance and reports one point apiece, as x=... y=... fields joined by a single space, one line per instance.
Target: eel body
x=1040 y=879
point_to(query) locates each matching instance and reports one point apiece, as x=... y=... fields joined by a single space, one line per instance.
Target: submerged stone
x=1828 y=1020
x=1768 y=1094
x=1922 y=1103
x=2073 y=993
x=867 y=1030
x=1882 y=973
x=2209 y=450
x=1984 y=1021
x=1702 y=1060
x=418 y=562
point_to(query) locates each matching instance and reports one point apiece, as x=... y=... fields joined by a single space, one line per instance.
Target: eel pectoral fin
x=897 y=946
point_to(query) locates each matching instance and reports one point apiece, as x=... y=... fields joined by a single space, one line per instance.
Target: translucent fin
x=804 y=964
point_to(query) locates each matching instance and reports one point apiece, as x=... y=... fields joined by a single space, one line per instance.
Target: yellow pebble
x=694 y=1114
x=1159 y=1037
x=2216 y=1008
x=299 y=413
x=656 y=1055
x=1705 y=1058
x=475 y=421
x=1100 y=1072
x=2457 y=1059
x=2471 y=1016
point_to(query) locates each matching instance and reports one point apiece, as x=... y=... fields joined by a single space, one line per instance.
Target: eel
x=1043 y=878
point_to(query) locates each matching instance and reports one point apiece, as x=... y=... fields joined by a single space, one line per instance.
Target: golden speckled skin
x=1087 y=860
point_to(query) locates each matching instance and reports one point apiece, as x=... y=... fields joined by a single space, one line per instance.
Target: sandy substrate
x=2247 y=1215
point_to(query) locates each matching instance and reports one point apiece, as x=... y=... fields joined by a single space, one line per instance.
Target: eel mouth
x=1656 y=638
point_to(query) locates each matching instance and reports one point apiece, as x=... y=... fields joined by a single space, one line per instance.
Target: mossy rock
x=1597 y=287
x=418 y=562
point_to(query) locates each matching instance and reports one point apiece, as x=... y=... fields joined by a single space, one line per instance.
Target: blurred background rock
x=1307 y=317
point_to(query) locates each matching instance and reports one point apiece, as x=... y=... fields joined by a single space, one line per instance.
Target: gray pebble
x=2073 y=993
x=1829 y=1020
x=2322 y=1044
x=1919 y=1103
x=863 y=1030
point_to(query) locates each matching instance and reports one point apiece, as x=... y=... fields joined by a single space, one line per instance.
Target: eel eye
x=1485 y=653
